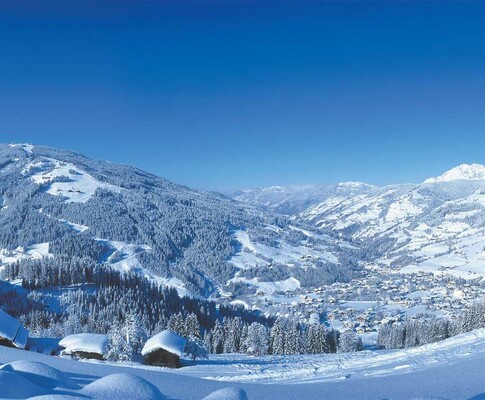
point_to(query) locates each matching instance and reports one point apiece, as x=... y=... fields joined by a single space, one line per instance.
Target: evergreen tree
x=257 y=340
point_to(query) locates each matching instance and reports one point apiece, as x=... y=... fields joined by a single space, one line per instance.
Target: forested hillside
x=62 y=205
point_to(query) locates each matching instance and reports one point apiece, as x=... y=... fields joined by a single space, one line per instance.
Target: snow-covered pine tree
x=119 y=349
x=207 y=340
x=191 y=327
x=232 y=343
x=277 y=337
x=134 y=333
x=244 y=335
x=218 y=338
x=176 y=324
x=349 y=342
x=257 y=340
x=292 y=339
x=195 y=348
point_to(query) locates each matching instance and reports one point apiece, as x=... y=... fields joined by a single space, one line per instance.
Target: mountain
x=466 y=172
x=438 y=225
x=63 y=206
x=289 y=200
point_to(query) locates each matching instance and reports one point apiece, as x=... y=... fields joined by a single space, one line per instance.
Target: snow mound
x=12 y=330
x=85 y=342
x=166 y=340
x=14 y=386
x=227 y=394
x=468 y=172
x=122 y=386
x=40 y=374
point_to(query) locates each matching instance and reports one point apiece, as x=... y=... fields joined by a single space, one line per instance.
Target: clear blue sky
x=228 y=95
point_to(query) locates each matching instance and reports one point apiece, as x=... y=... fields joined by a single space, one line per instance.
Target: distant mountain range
x=438 y=225
x=289 y=200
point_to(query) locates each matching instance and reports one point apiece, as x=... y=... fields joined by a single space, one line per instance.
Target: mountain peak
x=468 y=172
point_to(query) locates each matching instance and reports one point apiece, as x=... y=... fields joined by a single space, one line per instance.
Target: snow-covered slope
x=451 y=369
x=435 y=226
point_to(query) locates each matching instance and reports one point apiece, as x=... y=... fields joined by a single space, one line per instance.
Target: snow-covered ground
x=78 y=186
x=451 y=369
x=253 y=254
x=36 y=251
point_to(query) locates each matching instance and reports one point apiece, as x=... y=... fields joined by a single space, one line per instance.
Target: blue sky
x=228 y=95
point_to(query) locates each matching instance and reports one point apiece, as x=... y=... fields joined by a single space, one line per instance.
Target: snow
x=326 y=368
x=166 y=340
x=124 y=258
x=36 y=251
x=122 y=386
x=8 y=326
x=21 y=338
x=84 y=342
x=227 y=394
x=15 y=386
x=40 y=374
x=12 y=330
x=124 y=255
x=253 y=254
x=75 y=227
x=28 y=148
x=402 y=208
x=451 y=369
x=469 y=172
x=79 y=186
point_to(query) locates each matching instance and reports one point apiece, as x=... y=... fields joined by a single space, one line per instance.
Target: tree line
x=429 y=329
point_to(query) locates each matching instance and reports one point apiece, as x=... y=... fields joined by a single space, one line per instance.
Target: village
x=365 y=304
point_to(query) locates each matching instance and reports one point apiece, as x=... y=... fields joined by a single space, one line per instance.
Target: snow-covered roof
x=85 y=342
x=12 y=330
x=166 y=340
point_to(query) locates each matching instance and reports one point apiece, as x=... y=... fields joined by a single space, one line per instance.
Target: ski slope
x=451 y=369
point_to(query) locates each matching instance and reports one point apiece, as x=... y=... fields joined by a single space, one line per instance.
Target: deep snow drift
x=451 y=369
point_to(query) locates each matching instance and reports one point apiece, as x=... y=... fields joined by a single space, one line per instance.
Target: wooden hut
x=85 y=345
x=164 y=349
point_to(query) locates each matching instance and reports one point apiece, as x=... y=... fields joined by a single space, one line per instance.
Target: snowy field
x=452 y=369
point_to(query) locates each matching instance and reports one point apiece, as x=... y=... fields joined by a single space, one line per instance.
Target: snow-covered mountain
x=438 y=225
x=59 y=204
x=290 y=200
x=466 y=172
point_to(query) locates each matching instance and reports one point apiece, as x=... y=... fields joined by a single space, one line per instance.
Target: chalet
x=85 y=345
x=12 y=333
x=164 y=349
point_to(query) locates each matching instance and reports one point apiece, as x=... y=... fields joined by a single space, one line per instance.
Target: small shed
x=12 y=333
x=85 y=345
x=164 y=349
